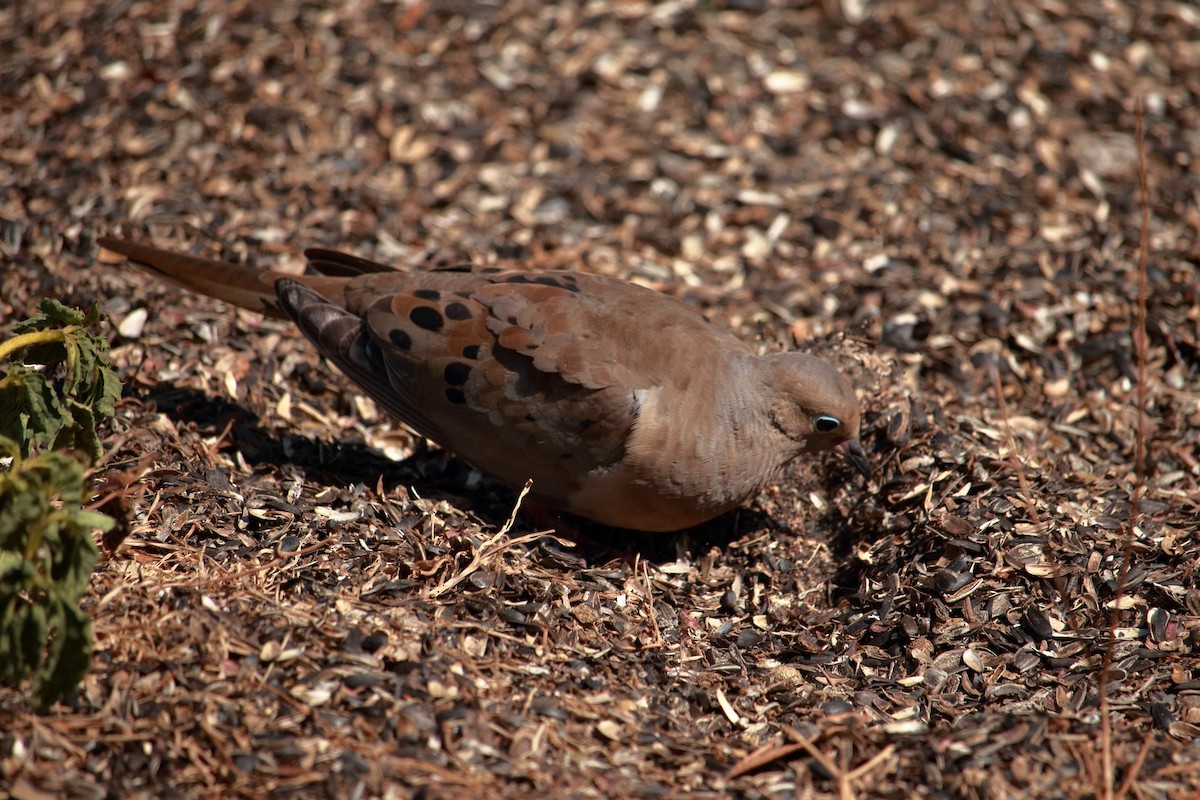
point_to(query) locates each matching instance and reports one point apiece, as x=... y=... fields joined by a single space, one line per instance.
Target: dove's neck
x=748 y=409
x=717 y=446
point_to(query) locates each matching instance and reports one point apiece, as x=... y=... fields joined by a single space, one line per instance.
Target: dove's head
x=815 y=407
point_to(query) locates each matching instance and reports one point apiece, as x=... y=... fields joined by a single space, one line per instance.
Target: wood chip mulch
x=943 y=197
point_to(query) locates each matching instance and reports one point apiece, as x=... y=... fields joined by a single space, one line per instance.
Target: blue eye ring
x=824 y=423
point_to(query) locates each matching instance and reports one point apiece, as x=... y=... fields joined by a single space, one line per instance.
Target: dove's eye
x=823 y=423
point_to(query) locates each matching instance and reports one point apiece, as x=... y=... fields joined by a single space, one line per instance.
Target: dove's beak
x=857 y=456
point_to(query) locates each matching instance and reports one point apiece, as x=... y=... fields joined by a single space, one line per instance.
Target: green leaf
x=107 y=391
x=51 y=402
x=34 y=627
x=68 y=656
x=31 y=412
x=52 y=313
x=62 y=403
x=47 y=553
x=81 y=434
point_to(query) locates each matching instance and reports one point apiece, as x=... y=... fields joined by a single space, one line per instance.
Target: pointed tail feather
x=335 y=264
x=248 y=287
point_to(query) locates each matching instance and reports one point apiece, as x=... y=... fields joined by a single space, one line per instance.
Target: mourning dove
x=622 y=404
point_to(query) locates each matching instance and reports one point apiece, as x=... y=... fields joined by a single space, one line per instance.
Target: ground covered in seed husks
x=941 y=197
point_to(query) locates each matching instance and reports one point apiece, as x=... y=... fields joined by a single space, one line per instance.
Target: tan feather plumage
x=621 y=404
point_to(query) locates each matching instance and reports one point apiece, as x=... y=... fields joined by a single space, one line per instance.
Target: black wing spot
x=427 y=317
x=471 y=351
x=400 y=339
x=428 y=294
x=456 y=396
x=456 y=373
x=458 y=311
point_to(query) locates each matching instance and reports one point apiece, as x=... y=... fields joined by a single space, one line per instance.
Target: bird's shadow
x=848 y=529
x=433 y=475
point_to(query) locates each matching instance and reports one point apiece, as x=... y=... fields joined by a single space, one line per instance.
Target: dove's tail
x=248 y=287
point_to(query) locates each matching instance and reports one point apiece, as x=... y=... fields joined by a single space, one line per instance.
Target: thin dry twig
x=845 y=778
x=493 y=547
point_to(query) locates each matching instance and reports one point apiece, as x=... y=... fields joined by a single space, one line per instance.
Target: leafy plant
x=50 y=405
x=39 y=413
x=46 y=557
